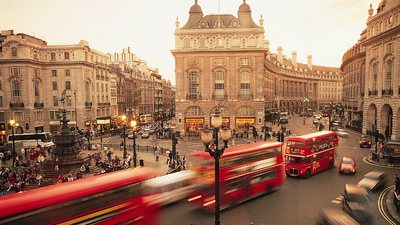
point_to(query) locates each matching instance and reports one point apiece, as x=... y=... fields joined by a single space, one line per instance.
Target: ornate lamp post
x=133 y=125
x=12 y=124
x=306 y=101
x=207 y=137
x=124 y=123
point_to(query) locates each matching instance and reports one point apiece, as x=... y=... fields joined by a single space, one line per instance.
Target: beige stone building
x=224 y=61
x=371 y=74
x=34 y=76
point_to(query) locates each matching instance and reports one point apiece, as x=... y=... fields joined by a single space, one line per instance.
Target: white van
x=171 y=187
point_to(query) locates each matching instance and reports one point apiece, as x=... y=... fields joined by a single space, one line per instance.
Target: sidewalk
x=389 y=197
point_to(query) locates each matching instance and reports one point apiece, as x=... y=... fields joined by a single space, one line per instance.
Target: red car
x=347 y=165
x=324 y=114
x=365 y=141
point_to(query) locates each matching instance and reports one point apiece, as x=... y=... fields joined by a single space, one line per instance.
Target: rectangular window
x=54 y=73
x=186 y=43
x=2 y=117
x=1 y=102
x=52 y=115
x=14 y=51
x=244 y=61
x=68 y=85
x=53 y=56
x=54 y=85
x=67 y=72
x=18 y=116
x=66 y=55
x=202 y=42
x=219 y=42
x=55 y=101
x=69 y=101
x=15 y=71
x=16 y=89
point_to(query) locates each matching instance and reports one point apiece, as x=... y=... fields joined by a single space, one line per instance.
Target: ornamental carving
x=203 y=24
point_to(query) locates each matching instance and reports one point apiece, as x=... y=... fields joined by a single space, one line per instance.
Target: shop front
x=39 y=127
x=193 y=125
x=244 y=125
x=103 y=124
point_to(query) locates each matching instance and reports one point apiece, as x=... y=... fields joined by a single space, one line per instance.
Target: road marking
x=381 y=208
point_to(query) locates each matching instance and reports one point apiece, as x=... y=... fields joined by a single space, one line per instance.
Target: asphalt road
x=299 y=201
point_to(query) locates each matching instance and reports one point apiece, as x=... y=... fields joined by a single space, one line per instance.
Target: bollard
x=141 y=163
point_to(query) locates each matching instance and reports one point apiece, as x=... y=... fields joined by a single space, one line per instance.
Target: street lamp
x=133 y=125
x=206 y=138
x=124 y=123
x=12 y=124
x=306 y=101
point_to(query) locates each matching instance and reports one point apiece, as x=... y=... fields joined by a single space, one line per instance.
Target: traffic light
x=282 y=137
x=27 y=126
x=376 y=136
x=278 y=137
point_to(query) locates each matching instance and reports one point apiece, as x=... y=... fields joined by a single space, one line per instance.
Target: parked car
x=365 y=141
x=356 y=202
x=374 y=180
x=334 y=216
x=315 y=121
x=347 y=165
x=342 y=133
x=152 y=130
x=324 y=114
x=145 y=134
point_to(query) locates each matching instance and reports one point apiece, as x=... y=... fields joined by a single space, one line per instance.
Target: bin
x=141 y=163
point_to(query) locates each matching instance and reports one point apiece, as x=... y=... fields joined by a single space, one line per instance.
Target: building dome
x=195 y=8
x=244 y=7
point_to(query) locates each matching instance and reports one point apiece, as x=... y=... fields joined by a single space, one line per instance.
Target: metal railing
x=193 y=96
x=17 y=105
x=88 y=104
x=38 y=105
x=387 y=92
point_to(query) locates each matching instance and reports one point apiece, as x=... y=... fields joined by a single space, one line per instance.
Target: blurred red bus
x=246 y=171
x=310 y=153
x=111 y=198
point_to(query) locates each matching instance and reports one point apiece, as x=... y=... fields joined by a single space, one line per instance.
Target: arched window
x=193 y=85
x=389 y=75
x=245 y=84
x=53 y=56
x=245 y=111
x=219 y=84
x=14 y=51
x=66 y=55
x=374 y=76
x=35 y=55
x=186 y=43
x=194 y=111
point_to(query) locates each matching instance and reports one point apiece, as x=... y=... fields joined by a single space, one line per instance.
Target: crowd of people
x=27 y=166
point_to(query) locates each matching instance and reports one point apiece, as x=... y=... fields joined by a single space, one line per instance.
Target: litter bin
x=141 y=163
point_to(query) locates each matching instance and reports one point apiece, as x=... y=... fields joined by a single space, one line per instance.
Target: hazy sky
x=324 y=29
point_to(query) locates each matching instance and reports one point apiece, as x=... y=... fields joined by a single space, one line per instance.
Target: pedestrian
x=56 y=165
x=82 y=169
x=59 y=179
x=39 y=178
x=41 y=160
x=70 y=177
x=157 y=155
x=105 y=150
x=31 y=158
x=129 y=160
x=121 y=145
x=154 y=148
x=167 y=153
x=184 y=162
x=396 y=182
x=17 y=165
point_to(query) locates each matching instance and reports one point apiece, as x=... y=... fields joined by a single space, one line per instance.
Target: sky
x=324 y=29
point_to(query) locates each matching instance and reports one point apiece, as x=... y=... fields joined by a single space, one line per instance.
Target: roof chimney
x=294 y=59
x=279 y=53
x=309 y=62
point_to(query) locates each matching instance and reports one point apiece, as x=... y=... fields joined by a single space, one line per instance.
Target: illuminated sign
x=194 y=120
x=386 y=40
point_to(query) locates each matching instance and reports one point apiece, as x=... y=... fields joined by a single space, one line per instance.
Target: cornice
x=218 y=50
x=52 y=63
x=383 y=35
x=352 y=58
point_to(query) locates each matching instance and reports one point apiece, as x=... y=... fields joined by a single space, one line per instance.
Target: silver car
x=342 y=133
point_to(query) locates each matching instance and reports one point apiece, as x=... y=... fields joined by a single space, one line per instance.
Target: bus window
x=313 y=159
x=305 y=160
x=330 y=138
x=300 y=144
x=334 y=137
x=330 y=153
x=319 y=142
x=326 y=139
x=290 y=143
x=308 y=144
x=318 y=157
x=313 y=143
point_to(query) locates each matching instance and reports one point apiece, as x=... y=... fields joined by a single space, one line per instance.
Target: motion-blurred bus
x=310 y=153
x=246 y=171
x=283 y=118
x=145 y=119
x=112 y=198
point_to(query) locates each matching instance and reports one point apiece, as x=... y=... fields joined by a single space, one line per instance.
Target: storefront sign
x=245 y=120
x=39 y=124
x=107 y=121
x=194 y=120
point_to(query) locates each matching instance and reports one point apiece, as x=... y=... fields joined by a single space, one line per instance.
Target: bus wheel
x=330 y=164
x=307 y=174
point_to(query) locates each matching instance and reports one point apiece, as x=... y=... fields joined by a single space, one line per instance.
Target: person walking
x=154 y=148
x=121 y=145
x=157 y=155
x=167 y=153
x=129 y=160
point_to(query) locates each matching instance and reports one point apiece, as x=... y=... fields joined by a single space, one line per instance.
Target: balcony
x=387 y=92
x=219 y=97
x=88 y=104
x=38 y=105
x=245 y=96
x=17 y=105
x=196 y=96
x=99 y=104
x=372 y=92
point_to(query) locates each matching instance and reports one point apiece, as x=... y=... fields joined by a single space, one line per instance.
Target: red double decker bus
x=311 y=153
x=111 y=198
x=246 y=171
